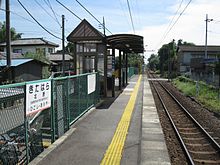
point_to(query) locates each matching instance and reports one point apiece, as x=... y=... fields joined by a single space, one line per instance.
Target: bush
x=207 y=95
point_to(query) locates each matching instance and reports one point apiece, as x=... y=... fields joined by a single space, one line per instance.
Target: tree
x=167 y=55
x=135 y=60
x=163 y=58
x=14 y=34
x=153 y=62
x=70 y=47
x=180 y=42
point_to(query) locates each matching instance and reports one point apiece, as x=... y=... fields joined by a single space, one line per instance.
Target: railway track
x=197 y=142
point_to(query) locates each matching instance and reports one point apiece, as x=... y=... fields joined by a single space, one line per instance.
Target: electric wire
x=172 y=19
x=175 y=21
x=19 y=15
x=37 y=21
x=69 y=10
x=138 y=12
x=53 y=12
x=125 y=14
x=55 y=19
x=12 y=12
x=129 y=9
x=92 y=16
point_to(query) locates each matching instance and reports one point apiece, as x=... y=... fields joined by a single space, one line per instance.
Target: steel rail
x=188 y=156
x=216 y=145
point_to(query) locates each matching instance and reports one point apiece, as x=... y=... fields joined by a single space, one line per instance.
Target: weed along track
x=198 y=143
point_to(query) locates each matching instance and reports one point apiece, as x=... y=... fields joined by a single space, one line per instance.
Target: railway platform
x=125 y=130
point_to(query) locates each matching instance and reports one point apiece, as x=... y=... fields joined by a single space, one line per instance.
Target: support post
x=113 y=71
x=119 y=76
x=96 y=58
x=126 y=66
x=206 y=34
x=124 y=74
x=63 y=46
x=75 y=58
x=105 y=72
x=8 y=39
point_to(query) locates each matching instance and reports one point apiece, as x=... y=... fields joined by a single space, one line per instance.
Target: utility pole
x=8 y=38
x=207 y=20
x=63 y=46
x=104 y=25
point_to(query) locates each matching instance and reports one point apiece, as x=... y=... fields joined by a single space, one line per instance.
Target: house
x=57 y=58
x=22 y=70
x=191 y=61
x=31 y=45
x=187 y=54
x=13 y=55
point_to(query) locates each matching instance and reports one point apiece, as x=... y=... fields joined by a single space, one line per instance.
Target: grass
x=205 y=94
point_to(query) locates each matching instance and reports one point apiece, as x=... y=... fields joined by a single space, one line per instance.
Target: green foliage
x=45 y=73
x=135 y=60
x=153 y=62
x=217 y=68
x=180 y=42
x=14 y=34
x=70 y=47
x=38 y=56
x=207 y=95
x=167 y=56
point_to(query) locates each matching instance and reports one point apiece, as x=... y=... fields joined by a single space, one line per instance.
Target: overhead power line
x=19 y=16
x=37 y=21
x=54 y=18
x=93 y=16
x=173 y=18
x=53 y=12
x=24 y=18
x=129 y=9
x=124 y=12
x=175 y=21
x=69 y=10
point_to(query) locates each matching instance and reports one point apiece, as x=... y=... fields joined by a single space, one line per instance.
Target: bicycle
x=9 y=150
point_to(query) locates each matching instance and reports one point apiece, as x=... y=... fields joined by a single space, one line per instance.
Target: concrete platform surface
x=88 y=139
x=153 y=146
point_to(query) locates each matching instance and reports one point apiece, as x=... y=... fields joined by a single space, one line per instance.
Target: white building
x=30 y=45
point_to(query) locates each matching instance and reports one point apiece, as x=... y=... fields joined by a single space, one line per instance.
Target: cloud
x=190 y=27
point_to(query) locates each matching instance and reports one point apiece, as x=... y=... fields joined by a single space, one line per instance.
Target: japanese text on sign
x=38 y=96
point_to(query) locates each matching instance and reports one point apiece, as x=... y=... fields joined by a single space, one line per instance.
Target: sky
x=152 y=19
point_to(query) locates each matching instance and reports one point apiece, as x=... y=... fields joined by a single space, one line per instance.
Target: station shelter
x=95 y=52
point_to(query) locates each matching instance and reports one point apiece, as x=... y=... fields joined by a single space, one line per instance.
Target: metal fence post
x=52 y=114
x=26 y=126
x=68 y=102
x=87 y=95
x=79 y=94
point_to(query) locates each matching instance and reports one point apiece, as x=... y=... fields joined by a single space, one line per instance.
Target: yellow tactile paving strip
x=114 y=152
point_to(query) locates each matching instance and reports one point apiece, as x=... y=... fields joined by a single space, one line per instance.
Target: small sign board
x=38 y=96
x=91 y=82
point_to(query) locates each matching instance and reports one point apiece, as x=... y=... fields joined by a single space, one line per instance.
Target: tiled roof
x=30 y=41
x=15 y=62
x=185 y=48
x=59 y=57
x=13 y=55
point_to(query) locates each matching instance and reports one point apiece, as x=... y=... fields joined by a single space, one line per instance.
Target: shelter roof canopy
x=129 y=43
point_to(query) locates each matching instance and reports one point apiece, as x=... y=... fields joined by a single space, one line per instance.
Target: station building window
x=17 y=50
